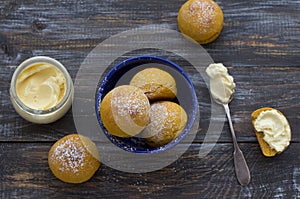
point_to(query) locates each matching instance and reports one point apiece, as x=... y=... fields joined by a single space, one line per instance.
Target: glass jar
x=48 y=115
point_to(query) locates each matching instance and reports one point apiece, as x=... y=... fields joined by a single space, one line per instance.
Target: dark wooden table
x=260 y=44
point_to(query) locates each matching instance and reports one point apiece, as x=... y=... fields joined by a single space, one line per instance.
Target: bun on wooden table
x=202 y=20
x=74 y=159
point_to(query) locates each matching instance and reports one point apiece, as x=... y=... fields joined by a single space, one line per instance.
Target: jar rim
x=29 y=62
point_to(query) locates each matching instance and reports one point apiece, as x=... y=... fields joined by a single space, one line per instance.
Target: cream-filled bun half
x=272 y=129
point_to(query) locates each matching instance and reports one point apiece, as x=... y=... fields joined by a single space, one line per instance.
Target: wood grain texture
x=274 y=87
x=190 y=176
x=259 y=44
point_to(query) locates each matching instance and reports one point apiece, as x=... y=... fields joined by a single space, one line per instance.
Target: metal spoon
x=241 y=168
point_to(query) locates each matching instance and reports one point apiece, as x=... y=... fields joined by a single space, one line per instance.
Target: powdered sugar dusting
x=204 y=12
x=163 y=125
x=129 y=105
x=158 y=116
x=70 y=155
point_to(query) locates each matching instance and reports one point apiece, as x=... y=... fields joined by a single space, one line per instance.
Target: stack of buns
x=144 y=108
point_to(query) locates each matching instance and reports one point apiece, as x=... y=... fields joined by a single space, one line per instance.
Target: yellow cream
x=276 y=129
x=41 y=86
x=221 y=83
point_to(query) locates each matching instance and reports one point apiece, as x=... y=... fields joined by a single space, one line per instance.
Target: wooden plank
x=254 y=33
x=258 y=33
x=266 y=87
x=25 y=173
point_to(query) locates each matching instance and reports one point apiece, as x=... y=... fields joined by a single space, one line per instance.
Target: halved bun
x=265 y=147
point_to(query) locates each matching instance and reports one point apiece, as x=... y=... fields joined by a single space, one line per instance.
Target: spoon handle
x=240 y=164
x=241 y=168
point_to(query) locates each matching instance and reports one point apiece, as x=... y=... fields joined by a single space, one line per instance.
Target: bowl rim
x=147 y=59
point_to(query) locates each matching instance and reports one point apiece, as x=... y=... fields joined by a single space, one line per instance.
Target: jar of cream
x=41 y=90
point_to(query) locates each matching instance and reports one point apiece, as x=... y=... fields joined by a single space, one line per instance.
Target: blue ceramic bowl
x=122 y=73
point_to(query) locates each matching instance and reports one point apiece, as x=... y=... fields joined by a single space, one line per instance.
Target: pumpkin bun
x=167 y=121
x=74 y=159
x=202 y=20
x=157 y=84
x=125 y=111
x=272 y=130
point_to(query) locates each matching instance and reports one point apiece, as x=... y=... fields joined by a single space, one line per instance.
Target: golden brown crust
x=74 y=159
x=125 y=111
x=202 y=20
x=157 y=84
x=108 y=119
x=265 y=148
x=168 y=120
